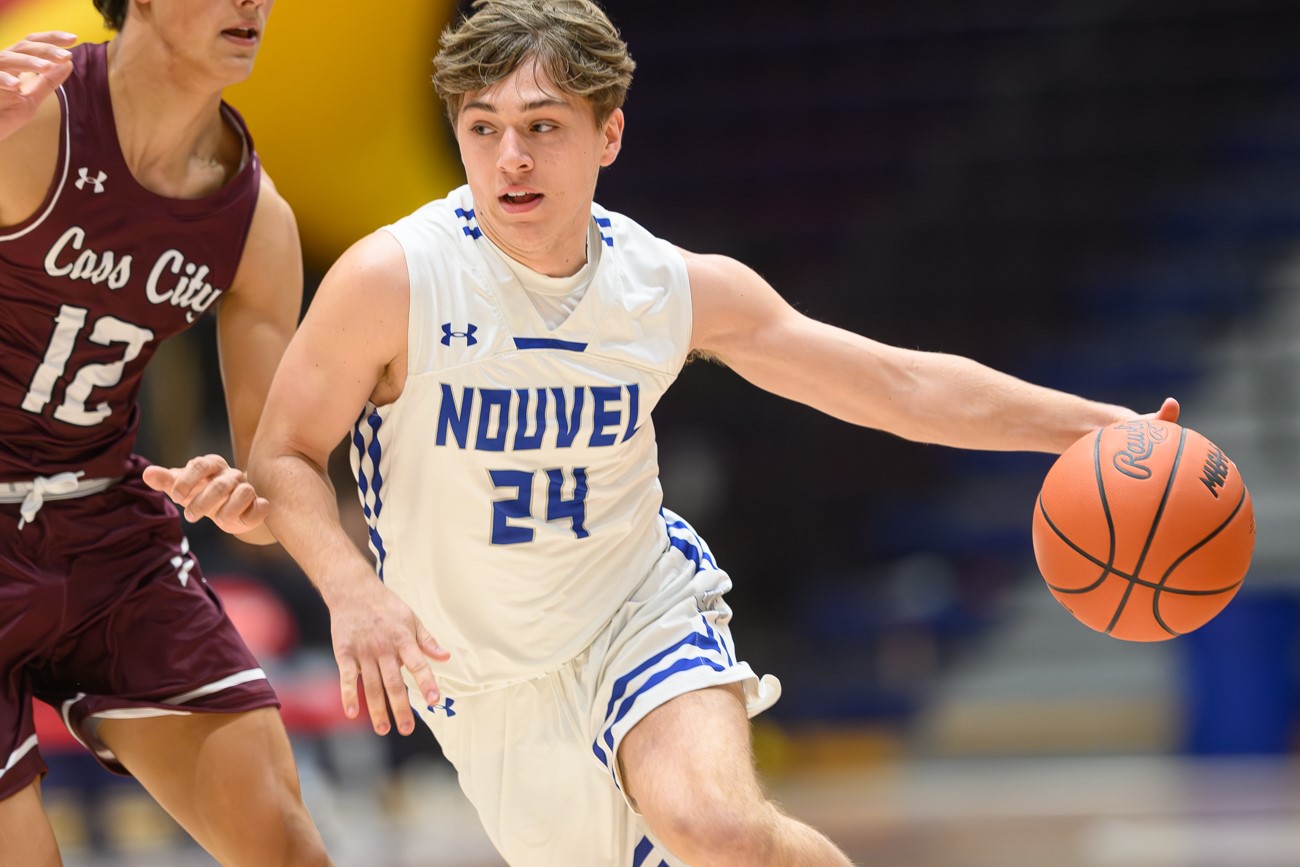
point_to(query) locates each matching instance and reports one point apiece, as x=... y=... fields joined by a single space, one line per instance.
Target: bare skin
x=689 y=767
x=26 y=838
x=227 y=779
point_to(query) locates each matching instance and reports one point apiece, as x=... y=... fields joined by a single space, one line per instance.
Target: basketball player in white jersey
x=498 y=355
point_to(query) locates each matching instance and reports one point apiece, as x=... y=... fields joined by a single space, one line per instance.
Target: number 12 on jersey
x=106 y=331
x=520 y=506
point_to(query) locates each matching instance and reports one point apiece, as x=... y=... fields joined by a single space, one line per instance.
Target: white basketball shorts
x=538 y=759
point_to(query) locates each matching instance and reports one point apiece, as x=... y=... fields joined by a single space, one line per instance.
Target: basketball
x=1143 y=530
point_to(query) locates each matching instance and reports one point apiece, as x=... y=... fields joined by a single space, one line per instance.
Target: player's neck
x=550 y=254
x=168 y=123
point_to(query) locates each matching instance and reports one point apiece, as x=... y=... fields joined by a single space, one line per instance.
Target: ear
x=613 y=133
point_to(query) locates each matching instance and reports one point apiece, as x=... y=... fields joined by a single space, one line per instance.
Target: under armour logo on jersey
x=445 y=707
x=97 y=181
x=467 y=335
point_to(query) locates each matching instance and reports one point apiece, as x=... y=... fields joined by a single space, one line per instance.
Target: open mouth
x=248 y=33
x=520 y=198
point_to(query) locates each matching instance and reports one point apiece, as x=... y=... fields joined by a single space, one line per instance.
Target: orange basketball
x=1144 y=530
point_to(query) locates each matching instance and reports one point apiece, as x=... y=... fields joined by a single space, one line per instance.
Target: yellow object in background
x=341 y=107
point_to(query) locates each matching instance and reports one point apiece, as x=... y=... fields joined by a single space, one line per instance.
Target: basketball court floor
x=1101 y=811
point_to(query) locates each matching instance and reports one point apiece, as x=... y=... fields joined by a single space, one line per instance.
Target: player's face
x=216 y=37
x=532 y=154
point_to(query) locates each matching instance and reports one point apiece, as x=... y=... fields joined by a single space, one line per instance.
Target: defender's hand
x=208 y=487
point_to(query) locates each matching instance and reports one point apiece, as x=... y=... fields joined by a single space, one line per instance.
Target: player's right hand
x=30 y=71
x=376 y=635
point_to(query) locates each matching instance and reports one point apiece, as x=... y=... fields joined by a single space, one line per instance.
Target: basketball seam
x=1170 y=571
x=1151 y=535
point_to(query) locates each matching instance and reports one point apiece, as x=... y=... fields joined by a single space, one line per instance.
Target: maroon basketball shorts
x=105 y=614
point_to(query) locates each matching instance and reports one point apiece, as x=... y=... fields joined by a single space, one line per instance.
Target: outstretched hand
x=376 y=635
x=30 y=71
x=208 y=487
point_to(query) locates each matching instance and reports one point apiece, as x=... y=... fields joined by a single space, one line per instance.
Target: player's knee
x=715 y=833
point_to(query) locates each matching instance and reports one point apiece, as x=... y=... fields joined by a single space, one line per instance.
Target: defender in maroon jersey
x=132 y=203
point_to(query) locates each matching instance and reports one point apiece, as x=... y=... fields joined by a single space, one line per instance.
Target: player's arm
x=30 y=72
x=350 y=348
x=255 y=320
x=931 y=397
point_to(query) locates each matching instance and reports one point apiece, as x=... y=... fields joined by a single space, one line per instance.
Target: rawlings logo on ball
x=1141 y=441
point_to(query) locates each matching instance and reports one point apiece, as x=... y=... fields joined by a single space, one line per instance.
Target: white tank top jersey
x=512 y=490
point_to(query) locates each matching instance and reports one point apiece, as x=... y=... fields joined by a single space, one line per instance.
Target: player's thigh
x=692 y=756
x=228 y=779
x=528 y=769
x=26 y=838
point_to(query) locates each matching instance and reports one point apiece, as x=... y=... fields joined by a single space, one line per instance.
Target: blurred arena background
x=1099 y=195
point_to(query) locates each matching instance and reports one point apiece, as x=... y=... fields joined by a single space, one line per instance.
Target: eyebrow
x=535 y=105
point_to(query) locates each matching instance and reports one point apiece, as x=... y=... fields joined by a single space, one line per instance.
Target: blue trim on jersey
x=681 y=665
x=548 y=343
x=471 y=231
x=605 y=223
x=643 y=850
x=706 y=641
x=692 y=549
x=374 y=451
x=708 y=630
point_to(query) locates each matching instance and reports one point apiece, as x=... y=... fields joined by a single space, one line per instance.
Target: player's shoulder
x=271 y=203
x=274 y=228
x=709 y=269
x=377 y=260
x=644 y=254
x=450 y=216
x=616 y=226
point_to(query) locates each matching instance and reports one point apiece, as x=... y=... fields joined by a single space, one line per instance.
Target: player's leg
x=26 y=838
x=228 y=779
x=155 y=680
x=688 y=766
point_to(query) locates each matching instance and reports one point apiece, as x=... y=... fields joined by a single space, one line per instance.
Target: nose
x=513 y=155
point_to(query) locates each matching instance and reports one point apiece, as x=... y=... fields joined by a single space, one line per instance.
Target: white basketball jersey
x=512 y=490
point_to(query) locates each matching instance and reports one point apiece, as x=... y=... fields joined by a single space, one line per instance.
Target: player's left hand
x=208 y=487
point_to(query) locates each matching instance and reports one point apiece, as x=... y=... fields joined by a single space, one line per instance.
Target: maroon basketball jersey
x=95 y=280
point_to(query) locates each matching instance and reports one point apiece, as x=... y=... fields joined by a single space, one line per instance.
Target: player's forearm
x=927 y=397
x=956 y=401
x=260 y=536
x=305 y=519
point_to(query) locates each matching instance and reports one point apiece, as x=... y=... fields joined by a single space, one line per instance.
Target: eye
x=480 y=129
x=543 y=126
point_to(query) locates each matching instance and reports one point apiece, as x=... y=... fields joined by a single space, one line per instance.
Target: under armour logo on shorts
x=85 y=178
x=445 y=706
x=467 y=335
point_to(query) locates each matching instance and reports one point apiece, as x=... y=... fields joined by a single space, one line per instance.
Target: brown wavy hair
x=573 y=40
x=114 y=12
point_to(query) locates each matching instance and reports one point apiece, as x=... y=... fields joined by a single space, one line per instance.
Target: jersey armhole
x=57 y=182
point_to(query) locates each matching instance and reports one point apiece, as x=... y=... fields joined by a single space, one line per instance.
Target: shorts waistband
x=16 y=492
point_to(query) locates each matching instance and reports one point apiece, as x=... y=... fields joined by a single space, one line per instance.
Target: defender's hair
x=114 y=12
x=573 y=40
